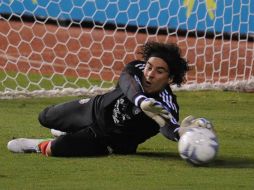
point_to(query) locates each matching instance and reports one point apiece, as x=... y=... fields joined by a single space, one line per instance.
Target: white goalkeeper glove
x=191 y=121
x=156 y=111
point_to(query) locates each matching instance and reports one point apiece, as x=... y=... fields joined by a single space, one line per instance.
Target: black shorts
x=86 y=143
x=69 y=117
x=84 y=136
x=81 y=143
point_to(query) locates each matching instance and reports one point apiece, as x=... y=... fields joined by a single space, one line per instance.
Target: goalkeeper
x=141 y=106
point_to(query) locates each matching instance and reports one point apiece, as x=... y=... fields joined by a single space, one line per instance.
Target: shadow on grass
x=233 y=162
x=159 y=155
x=221 y=162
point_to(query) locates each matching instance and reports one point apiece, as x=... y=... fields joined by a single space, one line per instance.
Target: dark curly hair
x=171 y=54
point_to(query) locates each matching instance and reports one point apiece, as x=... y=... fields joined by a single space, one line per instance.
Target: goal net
x=60 y=47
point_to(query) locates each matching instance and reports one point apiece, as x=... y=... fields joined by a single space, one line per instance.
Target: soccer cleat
x=24 y=145
x=57 y=133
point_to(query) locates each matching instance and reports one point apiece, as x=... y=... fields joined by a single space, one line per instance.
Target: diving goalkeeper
x=141 y=106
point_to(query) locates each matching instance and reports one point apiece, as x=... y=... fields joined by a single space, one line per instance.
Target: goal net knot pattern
x=58 y=48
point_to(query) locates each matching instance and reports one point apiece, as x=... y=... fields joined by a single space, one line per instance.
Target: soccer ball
x=198 y=146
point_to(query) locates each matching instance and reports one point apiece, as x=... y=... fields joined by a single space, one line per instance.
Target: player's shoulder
x=167 y=91
x=168 y=95
x=137 y=64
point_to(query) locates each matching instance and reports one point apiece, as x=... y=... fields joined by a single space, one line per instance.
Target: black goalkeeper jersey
x=118 y=113
x=112 y=120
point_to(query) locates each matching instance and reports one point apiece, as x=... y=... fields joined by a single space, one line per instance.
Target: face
x=156 y=75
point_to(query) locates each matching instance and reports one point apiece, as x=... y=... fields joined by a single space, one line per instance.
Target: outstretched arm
x=170 y=130
x=173 y=131
x=130 y=82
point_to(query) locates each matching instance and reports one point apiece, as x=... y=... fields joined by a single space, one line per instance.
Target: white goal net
x=60 y=47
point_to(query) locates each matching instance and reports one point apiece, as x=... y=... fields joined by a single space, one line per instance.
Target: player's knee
x=43 y=119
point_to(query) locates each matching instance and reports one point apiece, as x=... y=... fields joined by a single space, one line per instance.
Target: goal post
x=51 y=48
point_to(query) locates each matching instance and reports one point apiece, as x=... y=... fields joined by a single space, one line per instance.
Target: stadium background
x=94 y=39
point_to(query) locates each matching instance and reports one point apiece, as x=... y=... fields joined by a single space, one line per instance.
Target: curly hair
x=171 y=54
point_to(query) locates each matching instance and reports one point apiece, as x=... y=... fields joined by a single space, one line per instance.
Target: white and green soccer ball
x=198 y=146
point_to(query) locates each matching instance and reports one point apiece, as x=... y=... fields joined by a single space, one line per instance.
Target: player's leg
x=67 y=117
x=122 y=144
x=81 y=143
x=25 y=145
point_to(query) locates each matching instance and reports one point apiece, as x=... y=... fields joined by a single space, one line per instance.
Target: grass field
x=32 y=82
x=157 y=164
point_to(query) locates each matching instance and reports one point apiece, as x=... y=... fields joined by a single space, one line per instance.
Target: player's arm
x=130 y=82
x=173 y=131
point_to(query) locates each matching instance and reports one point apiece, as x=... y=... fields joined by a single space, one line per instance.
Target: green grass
x=31 y=82
x=157 y=164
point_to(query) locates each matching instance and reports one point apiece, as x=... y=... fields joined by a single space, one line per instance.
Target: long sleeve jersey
x=118 y=112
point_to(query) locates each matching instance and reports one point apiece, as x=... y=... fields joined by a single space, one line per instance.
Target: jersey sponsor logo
x=124 y=111
x=120 y=113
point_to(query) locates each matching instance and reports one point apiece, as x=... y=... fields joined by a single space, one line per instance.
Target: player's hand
x=155 y=107
x=191 y=121
x=156 y=111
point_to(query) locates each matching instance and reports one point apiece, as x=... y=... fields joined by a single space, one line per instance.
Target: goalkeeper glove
x=191 y=121
x=156 y=111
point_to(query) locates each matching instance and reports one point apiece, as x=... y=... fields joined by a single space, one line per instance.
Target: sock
x=43 y=146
